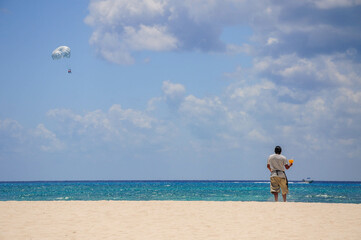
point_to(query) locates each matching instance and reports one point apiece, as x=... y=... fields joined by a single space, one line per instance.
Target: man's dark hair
x=278 y=150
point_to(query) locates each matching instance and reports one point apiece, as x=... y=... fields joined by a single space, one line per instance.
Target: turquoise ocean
x=322 y=192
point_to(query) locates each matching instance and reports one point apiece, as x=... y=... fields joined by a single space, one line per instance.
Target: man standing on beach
x=277 y=163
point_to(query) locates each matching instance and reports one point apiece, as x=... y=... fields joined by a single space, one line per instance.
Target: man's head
x=278 y=150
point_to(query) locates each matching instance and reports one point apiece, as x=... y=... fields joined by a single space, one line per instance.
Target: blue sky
x=179 y=89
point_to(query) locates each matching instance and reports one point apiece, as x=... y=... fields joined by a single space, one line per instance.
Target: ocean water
x=323 y=192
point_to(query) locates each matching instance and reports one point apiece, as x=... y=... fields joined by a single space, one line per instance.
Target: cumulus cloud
x=315 y=99
x=49 y=140
x=309 y=28
x=117 y=126
x=201 y=111
x=11 y=136
x=327 y=4
x=264 y=112
x=173 y=93
x=249 y=116
x=173 y=90
x=303 y=88
x=306 y=28
x=11 y=128
x=271 y=41
x=215 y=124
x=149 y=38
x=15 y=138
x=120 y=27
x=323 y=71
x=136 y=118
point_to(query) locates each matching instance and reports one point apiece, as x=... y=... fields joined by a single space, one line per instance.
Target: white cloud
x=316 y=72
x=49 y=140
x=328 y=4
x=109 y=12
x=174 y=94
x=271 y=41
x=15 y=138
x=233 y=49
x=137 y=118
x=109 y=47
x=255 y=112
x=154 y=38
x=348 y=100
x=152 y=103
x=194 y=107
x=213 y=125
x=253 y=91
x=259 y=137
x=118 y=127
x=12 y=137
x=11 y=128
x=303 y=90
x=297 y=100
x=121 y=27
x=173 y=90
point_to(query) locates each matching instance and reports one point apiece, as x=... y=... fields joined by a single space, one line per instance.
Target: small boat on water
x=307 y=180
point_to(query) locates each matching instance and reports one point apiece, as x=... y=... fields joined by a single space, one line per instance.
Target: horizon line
x=169 y=180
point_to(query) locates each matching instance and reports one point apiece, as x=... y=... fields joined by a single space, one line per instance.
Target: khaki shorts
x=277 y=183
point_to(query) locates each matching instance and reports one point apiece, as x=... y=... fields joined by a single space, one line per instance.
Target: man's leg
x=276 y=196
x=275 y=187
x=284 y=188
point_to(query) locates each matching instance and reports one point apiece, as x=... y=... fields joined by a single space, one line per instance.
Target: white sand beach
x=178 y=220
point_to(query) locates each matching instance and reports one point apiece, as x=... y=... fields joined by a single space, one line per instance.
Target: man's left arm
x=288 y=166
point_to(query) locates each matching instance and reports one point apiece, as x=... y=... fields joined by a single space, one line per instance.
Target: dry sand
x=178 y=220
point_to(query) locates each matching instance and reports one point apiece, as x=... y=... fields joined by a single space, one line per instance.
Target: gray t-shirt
x=277 y=162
